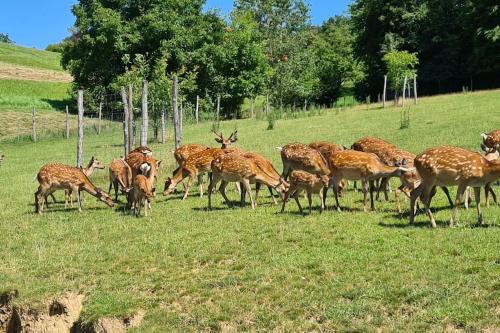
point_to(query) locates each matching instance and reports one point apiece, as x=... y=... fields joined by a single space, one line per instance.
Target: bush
x=4 y=38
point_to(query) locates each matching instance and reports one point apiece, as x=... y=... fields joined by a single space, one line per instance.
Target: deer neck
x=88 y=186
x=492 y=170
x=178 y=176
x=387 y=171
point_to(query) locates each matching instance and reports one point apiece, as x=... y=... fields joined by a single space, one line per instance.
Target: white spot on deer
x=144 y=168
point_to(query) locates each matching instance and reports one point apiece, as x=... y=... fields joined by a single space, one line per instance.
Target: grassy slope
x=194 y=270
x=17 y=97
x=24 y=56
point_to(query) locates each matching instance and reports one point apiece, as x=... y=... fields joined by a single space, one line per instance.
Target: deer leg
x=355 y=187
x=257 y=190
x=467 y=197
x=426 y=198
x=200 y=184
x=237 y=187
x=285 y=199
x=248 y=188
x=211 y=185
x=397 y=194
x=78 y=197
x=460 y=192
x=336 y=193
x=243 y=195
x=477 y=196
x=309 y=200
x=379 y=187
x=447 y=192
x=372 y=190
x=222 y=190
x=39 y=199
x=146 y=206
x=296 y=197
x=322 y=206
x=189 y=184
x=414 y=195
x=489 y=190
x=272 y=195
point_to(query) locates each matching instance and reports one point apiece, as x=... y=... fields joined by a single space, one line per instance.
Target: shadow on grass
x=61 y=104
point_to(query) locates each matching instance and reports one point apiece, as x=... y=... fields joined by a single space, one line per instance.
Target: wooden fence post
x=100 y=117
x=163 y=123
x=131 y=136
x=252 y=107
x=404 y=91
x=177 y=127
x=181 y=114
x=125 y=121
x=67 y=122
x=79 y=148
x=33 y=127
x=415 y=89
x=218 y=107
x=384 y=93
x=144 y=126
x=197 y=110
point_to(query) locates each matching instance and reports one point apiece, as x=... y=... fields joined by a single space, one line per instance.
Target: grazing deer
x=356 y=165
x=450 y=166
x=326 y=148
x=146 y=151
x=88 y=170
x=491 y=155
x=120 y=174
x=491 y=140
x=140 y=195
x=141 y=164
x=298 y=156
x=55 y=176
x=265 y=166
x=196 y=164
x=304 y=181
x=233 y=167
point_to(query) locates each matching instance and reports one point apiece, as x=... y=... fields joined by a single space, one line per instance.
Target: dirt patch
x=61 y=315
x=16 y=72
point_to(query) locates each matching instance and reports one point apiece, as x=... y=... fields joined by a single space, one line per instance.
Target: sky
x=37 y=23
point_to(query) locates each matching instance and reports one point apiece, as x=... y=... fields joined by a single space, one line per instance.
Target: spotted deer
x=140 y=195
x=56 y=176
x=196 y=164
x=142 y=164
x=265 y=166
x=491 y=155
x=120 y=175
x=305 y=181
x=88 y=170
x=491 y=140
x=327 y=149
x=452 y=166
x=233 y=167
x=146 y=151
x=298 y=156
x=356 y=165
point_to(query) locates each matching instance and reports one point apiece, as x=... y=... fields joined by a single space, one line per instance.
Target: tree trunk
x=79 y=148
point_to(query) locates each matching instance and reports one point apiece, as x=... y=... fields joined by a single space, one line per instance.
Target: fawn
x=140 y=195
x=304 y=181
x=491 y=140
x=449 y=166
x=55 y=176
x=120 y=174
x=491 y=155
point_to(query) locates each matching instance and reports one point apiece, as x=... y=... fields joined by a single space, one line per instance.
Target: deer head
x=95 y=164
x=226 y=142
x=104 y=197
x=169 y=186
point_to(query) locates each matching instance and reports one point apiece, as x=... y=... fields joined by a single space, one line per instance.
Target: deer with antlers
x=452 y=166
x=56 y=176
x=233 y=167
x=356 y=165
x=305 y=181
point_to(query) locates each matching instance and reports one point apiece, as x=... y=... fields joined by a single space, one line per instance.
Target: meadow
x=244 y=270
x=24 y=56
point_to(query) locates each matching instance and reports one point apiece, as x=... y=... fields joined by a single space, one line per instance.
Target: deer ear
x=159 y=164
x=404 y=161
x=484 y=136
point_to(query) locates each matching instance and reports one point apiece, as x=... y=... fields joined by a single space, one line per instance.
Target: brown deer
x=146 y=151
x=491 y=155
x=233 y=167
x=452 y=166
x=356 y=165
x=140 y=195
x=298 y=156
x=491 y=140
x=266 y=167
x=196 y=164
x=225 y=143
x=88 y=171
x=326 y=148
x=120 y=174
x=305 y=181
x=56 y=176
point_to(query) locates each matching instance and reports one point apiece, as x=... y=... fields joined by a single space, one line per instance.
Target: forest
x=270 y=48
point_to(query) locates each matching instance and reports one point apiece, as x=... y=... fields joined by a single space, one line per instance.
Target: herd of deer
x=312 y=168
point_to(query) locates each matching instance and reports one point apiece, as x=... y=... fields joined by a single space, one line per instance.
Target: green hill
x=13 y=54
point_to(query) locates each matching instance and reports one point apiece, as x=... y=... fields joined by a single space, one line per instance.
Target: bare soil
x=17 y=72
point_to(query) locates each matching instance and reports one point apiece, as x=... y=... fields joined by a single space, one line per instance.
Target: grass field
x=25 y=95
x=13 y=54
x=243 y=270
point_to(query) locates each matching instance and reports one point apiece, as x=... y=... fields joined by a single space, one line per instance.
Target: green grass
x=25 y=95
x=194 y=270
x=25 y=56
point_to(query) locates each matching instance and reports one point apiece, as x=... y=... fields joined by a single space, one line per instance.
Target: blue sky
x=37 y=23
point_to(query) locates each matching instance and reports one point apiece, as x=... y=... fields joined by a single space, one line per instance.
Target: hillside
x=238 y=270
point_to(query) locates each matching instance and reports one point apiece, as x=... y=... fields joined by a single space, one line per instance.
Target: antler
x=220 y=136
x=233 y=137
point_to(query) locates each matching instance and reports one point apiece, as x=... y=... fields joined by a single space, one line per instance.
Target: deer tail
x=279 y=148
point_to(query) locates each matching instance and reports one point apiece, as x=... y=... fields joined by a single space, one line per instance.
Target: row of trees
x=269 y=47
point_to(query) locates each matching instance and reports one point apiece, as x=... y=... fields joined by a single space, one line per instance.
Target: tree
x=400 y=65
x=4 y=38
